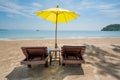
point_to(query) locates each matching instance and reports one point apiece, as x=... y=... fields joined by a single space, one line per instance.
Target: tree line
x=111 y=27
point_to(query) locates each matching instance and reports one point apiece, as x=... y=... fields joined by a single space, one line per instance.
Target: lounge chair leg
x=29 y=66
x=80 y=64
x=50 y=59
x=63 y=64
x=46 y=64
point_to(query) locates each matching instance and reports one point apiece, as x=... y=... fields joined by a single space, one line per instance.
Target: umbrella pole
x=56 y=31
x=56 y=37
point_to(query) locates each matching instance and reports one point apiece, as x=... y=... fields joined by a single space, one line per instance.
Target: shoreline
x=17 y=39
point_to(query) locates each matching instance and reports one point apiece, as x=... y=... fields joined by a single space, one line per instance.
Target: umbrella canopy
x=57 y=15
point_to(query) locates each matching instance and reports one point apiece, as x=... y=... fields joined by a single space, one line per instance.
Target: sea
x=45 y=34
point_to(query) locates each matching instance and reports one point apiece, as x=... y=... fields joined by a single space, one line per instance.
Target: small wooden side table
x=54 y=52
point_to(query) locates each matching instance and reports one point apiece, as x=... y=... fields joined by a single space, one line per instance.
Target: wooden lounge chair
x=72 y=54
x=35 y=55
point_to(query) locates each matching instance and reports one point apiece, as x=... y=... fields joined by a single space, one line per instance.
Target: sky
x=94 y=14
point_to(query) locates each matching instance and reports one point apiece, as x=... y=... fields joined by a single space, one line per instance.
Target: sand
x=102 y=58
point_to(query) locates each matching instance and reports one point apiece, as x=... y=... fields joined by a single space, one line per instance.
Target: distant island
x=3 y=29
x=112 y=27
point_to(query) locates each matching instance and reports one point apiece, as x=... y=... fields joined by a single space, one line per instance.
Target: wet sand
x=102 y=58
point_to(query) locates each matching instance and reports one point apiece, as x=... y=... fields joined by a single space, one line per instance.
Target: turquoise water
x=33 y=34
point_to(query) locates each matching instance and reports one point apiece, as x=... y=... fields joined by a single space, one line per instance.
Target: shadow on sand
x=106 y=63
x=116 y=48
x=39 y=72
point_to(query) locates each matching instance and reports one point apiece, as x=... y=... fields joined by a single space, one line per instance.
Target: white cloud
x=36 y=4
x=11 y=15
x=78 y=6
x=112 y=12
x=109 y=9
x=13 y=8
x=106 y=8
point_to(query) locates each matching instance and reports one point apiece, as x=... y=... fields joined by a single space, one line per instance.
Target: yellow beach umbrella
x=57 y=15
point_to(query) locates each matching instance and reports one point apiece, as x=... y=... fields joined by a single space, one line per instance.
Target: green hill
x=112 y=27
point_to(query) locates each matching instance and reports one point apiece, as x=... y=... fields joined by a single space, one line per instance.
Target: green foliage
x=112 y=27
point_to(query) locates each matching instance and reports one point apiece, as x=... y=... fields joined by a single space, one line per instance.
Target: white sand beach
x=102 y=58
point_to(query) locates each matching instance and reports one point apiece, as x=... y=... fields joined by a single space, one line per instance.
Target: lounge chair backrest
x=34 y=51
x=73 y=49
